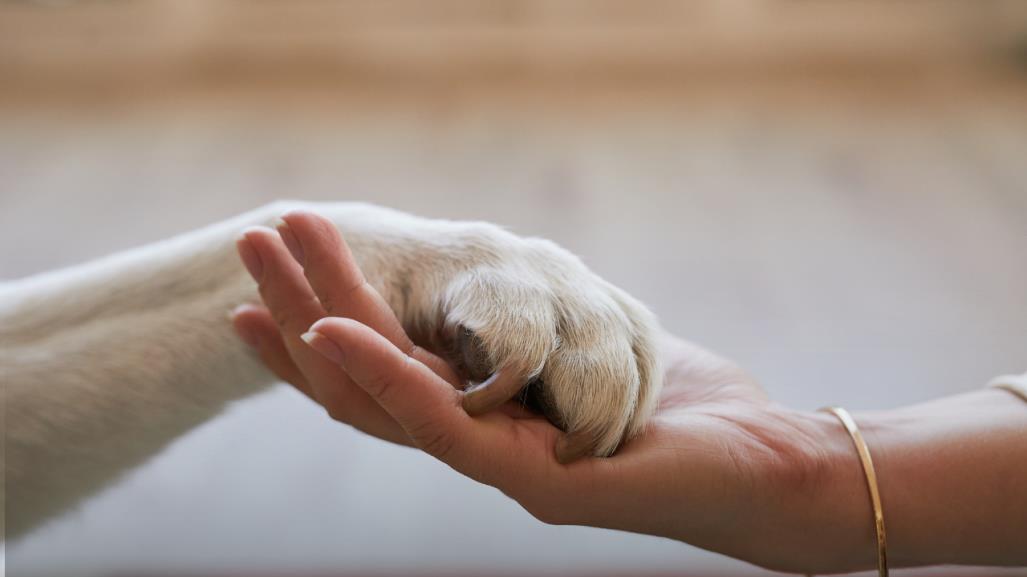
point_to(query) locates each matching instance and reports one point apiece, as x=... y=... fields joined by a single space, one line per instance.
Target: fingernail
x=323 y=345
x=290 y=241
x=250 y=257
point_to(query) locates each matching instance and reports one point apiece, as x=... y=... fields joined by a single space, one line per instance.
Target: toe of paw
x=595 y=393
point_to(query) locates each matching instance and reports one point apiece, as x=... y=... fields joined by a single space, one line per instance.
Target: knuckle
x=333 y=302
x=330 y=307
x=298 y=314
x=337 y=412
x=282 y=316
x=433 y=440
x=379 y=385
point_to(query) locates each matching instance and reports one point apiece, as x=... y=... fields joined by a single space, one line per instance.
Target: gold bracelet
x=1016 y=384
x=871 y=477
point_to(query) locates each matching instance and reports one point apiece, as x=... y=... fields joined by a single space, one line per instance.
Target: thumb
x=427 y=407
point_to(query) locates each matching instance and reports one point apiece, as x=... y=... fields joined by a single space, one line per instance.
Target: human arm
x=953 y=478
x=720 y=466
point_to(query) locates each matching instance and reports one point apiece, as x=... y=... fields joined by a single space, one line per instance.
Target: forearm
x=953 y=480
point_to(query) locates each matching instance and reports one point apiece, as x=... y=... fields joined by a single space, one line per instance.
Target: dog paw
x=525 y=319
x=520 y=318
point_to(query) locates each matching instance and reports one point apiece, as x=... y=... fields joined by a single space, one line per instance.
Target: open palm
x=716 y=462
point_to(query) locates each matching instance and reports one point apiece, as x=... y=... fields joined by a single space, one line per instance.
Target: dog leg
x=104 y=364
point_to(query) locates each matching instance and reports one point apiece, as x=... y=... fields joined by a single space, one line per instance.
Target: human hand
x=517 y=316
x=719 y=466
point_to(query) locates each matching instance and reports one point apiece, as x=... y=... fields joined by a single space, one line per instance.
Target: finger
x=341 y=287
x=424 y=405
x=290 y=301
x=294 y=308
x=333 y=273
x=256 y=327
x=280 y=280
x=509 y=454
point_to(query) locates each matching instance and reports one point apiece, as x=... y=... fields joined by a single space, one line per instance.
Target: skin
x=720 y=466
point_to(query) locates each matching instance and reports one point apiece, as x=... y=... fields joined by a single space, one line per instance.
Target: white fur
x=105 y=363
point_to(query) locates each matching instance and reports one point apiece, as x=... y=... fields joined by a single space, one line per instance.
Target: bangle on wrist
x=1015 y=384
x=871 y=478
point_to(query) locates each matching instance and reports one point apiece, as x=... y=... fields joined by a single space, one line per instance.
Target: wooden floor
x=856 y=243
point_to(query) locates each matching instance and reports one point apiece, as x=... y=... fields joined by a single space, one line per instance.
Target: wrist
x=816 y=516
x=827 y=506
x=932 y=462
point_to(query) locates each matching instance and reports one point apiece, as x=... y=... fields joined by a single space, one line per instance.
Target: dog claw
x=572 y=446
x=492 y=392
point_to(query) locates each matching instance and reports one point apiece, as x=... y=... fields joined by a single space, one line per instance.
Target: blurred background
x=832 y=193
